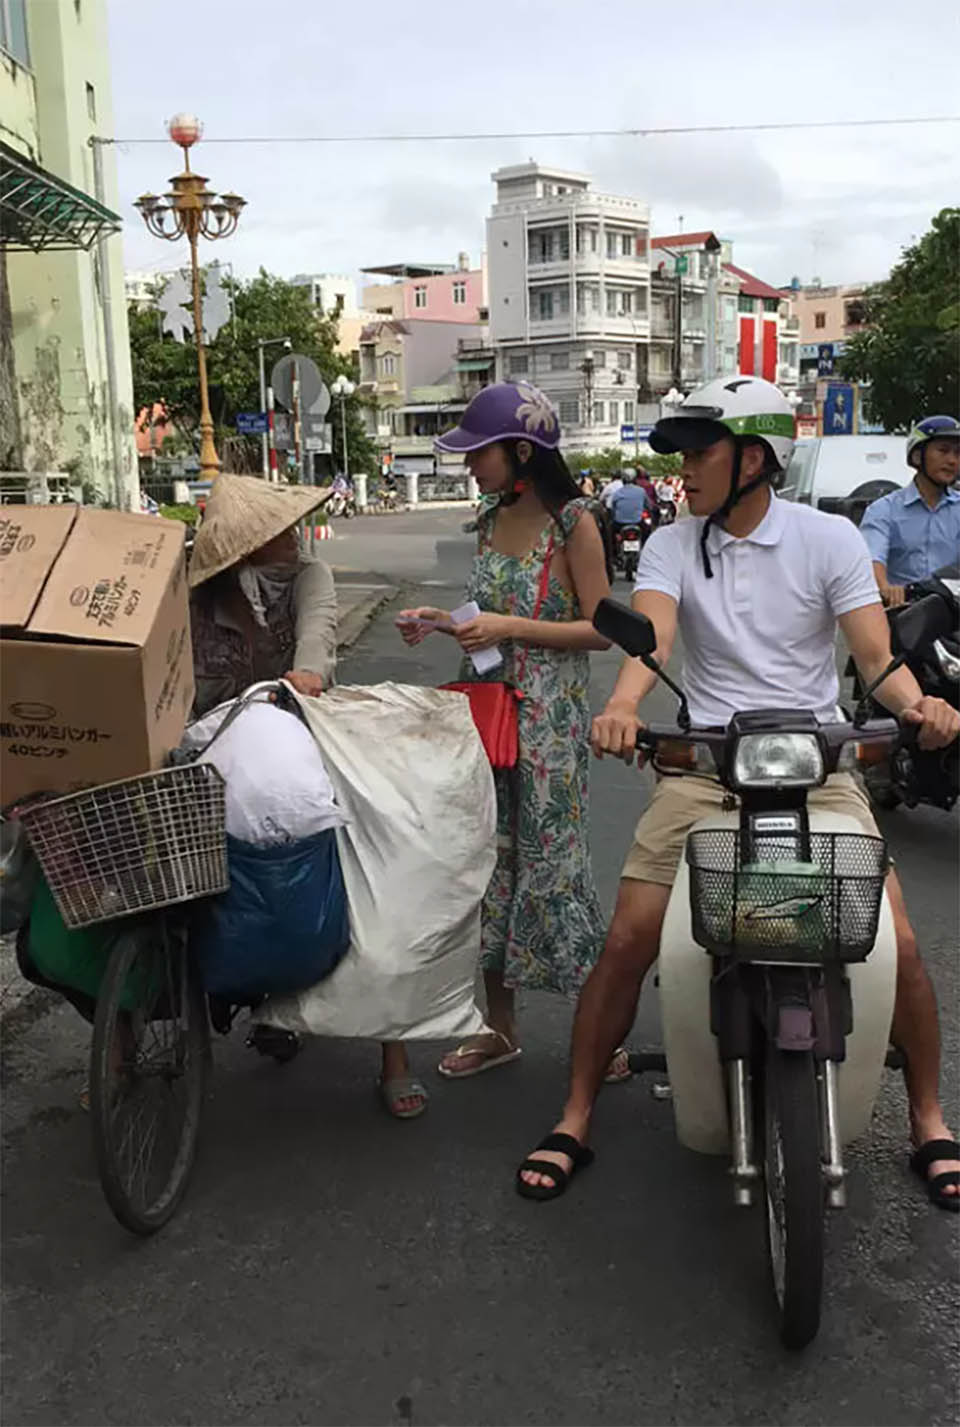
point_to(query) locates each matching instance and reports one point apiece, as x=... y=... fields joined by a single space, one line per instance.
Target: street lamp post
x=194 y=212
x=342 y=388
x=587 y=367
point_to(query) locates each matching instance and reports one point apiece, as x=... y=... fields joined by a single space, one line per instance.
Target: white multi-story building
x=569 y=295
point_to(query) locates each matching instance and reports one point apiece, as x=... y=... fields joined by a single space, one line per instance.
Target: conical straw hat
x=243 y=513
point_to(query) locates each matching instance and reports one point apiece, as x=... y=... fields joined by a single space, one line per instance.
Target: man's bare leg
x=607 y=1007
x=917 y=1034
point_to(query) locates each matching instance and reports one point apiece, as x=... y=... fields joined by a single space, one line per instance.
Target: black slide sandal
x=921 y=1161
x=563 y=1144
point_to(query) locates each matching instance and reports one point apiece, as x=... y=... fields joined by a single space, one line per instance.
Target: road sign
x=314 y=395
x=317 y=436
x=682 y=264
x=251 y=423
x=629 y=432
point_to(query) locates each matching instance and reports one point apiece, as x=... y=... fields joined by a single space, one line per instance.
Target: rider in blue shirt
x=629 y=503
x=914 y=532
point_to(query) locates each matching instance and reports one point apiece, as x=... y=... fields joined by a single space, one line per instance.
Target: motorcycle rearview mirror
x=636 y=636
x=921 y=623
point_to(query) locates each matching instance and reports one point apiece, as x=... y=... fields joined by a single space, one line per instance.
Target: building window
x=771 y=304
x=628 y=412
x=419 y=297
x=519 y=364
x=569 y=412
x=586 y=239
x=626 y=245
x=642 y=246
x=819 y=319
x=613 y=244
x=13 y=30
x=854 y=313
x=559 y=361
x=745 y=304
x=624 y=361
x=619 y=302
x=388 y=364
x=459 y=294
x=600 y=358
x=614 y=414
x=543 y=306
x=91 y=102
x=598 y=413
x=588 y=298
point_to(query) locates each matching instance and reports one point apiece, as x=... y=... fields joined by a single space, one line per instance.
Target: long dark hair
x=548 y=473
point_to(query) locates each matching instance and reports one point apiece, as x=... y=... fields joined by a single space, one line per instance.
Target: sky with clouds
x=838 y=204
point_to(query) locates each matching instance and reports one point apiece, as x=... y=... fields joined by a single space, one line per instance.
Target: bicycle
x=131 y=856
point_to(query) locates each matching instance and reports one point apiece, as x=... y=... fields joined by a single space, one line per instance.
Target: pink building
x=427 y=292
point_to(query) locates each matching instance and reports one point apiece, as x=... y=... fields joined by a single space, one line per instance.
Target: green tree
x=909 y=351
x=165 y=370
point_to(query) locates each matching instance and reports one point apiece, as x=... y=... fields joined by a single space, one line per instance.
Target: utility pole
x=117 y=491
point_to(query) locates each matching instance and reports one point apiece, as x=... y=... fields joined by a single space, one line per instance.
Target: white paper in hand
x=486 y=659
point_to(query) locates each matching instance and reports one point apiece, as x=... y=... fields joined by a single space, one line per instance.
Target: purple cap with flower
x=507 y=410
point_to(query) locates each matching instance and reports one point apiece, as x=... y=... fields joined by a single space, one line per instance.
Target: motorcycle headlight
x=784 y=760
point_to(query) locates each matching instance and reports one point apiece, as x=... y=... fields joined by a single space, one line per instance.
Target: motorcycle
x=777 y=968
x=924 y=635
x=342 y=503
x=627 y=544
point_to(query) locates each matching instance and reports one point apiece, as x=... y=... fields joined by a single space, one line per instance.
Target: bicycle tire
x=121 y=1070
x=794 y=1192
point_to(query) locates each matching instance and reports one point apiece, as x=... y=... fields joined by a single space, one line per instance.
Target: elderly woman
x=260 y=609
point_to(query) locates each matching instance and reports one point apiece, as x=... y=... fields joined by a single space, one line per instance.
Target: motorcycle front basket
x=776 y=906
x=132 y=846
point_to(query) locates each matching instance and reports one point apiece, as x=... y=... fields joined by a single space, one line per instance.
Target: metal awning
x=474 y=364
x=41 y=212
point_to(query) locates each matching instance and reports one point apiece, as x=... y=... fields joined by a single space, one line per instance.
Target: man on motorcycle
x=630 y=502
x=913 y=532
x=757 y=587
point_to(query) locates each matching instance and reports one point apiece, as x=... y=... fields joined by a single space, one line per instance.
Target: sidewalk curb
x=356 y=620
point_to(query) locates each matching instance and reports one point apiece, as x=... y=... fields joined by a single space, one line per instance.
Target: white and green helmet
x=730 y=406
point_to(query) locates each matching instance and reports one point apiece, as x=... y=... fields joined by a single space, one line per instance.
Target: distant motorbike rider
x=913 y=532
x=628 y=505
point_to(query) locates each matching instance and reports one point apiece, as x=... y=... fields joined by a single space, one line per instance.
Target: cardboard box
x=96 y=666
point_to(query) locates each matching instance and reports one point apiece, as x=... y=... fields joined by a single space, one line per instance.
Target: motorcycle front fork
x=744 y=1169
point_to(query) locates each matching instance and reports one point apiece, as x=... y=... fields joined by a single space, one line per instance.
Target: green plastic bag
x=78 y=959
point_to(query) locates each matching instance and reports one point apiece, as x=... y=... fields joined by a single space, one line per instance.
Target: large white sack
x=278 y=790
x=410 y=773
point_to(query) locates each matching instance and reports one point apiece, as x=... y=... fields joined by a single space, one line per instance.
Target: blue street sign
x=629 y=432
x=251 y=423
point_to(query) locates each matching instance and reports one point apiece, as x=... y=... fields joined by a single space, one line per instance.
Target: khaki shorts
x=680 y=802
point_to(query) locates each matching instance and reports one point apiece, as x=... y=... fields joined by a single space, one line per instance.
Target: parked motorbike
x=777 y=968
x=924 y=635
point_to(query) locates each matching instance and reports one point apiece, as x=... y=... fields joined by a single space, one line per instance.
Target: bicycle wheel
x=148 y=1065
x=794 y=1192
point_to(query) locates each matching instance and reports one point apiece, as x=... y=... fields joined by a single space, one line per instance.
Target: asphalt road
x=332 y=1266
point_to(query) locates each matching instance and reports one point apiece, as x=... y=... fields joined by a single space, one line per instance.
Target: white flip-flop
x=490 y=1062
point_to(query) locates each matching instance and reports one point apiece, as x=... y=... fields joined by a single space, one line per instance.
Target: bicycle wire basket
x=782 y=905
x=132 y=846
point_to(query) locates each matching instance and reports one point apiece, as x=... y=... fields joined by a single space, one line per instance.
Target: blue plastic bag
x=282 y=926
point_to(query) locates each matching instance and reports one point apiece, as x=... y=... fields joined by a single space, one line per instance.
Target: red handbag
x=494 y=704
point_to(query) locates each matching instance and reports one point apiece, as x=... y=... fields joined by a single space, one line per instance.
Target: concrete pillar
x=413 y=495
x=473 y=490
x=360 y=486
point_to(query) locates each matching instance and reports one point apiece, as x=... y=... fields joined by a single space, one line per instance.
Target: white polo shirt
x=760 y=634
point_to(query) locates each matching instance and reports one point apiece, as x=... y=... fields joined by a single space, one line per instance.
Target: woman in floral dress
x=537 y=577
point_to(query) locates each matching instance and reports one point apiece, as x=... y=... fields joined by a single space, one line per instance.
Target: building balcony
x=694 y=334
x=663 y=327
x=790 y=325
x=557 y=327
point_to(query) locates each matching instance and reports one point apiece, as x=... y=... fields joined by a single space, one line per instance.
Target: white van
x=845 y=473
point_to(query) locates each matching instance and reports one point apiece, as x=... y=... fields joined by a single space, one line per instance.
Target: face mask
x=263 y=586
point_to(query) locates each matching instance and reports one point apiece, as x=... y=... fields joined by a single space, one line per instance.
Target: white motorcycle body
x=696 y=1074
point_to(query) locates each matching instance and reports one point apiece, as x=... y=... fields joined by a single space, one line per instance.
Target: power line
x=638 y=133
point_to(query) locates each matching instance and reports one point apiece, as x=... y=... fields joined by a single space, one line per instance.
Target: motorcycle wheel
x=629 y=570
x=794 y=1194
